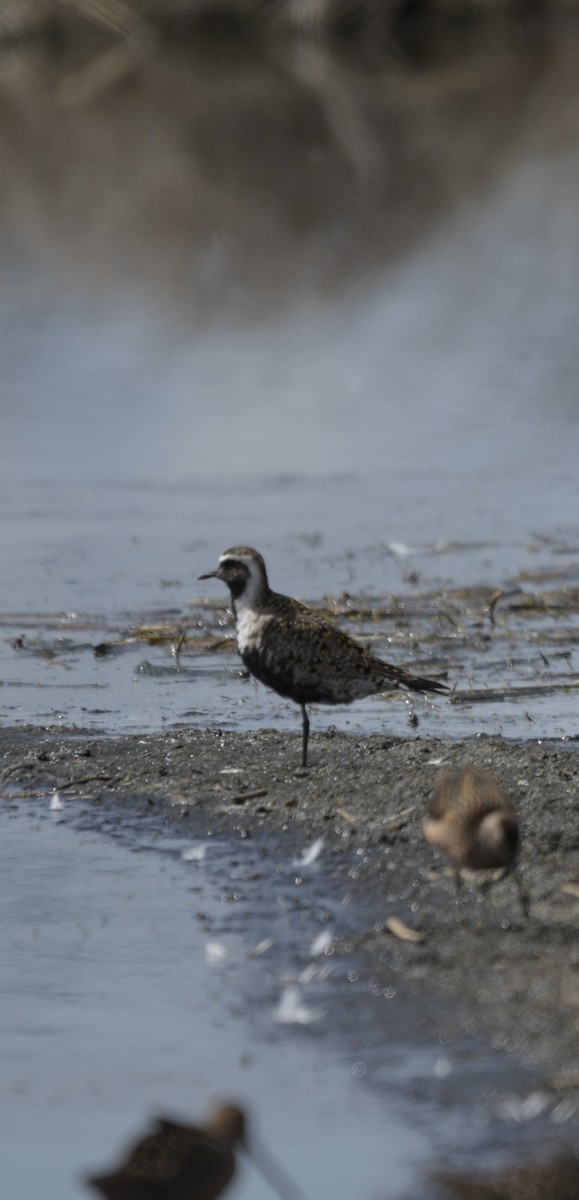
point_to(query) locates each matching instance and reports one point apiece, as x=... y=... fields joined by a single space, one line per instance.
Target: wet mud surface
x=481 y=971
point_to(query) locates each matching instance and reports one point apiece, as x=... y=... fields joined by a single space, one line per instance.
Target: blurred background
x=302 y=275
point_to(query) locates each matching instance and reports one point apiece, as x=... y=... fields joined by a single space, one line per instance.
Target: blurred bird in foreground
x=558 y=1180
x=471 y=821
x=188 y=1162
x=297 y=652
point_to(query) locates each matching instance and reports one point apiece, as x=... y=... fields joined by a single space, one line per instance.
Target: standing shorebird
x=470 y=819
x=187 y=1162
x=297 y=652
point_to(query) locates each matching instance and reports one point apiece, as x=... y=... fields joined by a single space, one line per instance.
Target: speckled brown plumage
x=178 y=1162
x=458 y=817
x=471 y=821
x=558 y=1180
x=297 y=652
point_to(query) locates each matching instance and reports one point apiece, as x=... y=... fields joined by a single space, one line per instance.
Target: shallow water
x=426 y=610
x=112 y=1015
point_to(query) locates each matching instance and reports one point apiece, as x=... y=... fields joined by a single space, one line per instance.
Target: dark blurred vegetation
x=238 y=168
x=330 y=17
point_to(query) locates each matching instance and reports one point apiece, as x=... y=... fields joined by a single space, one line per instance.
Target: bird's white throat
x=249 y=625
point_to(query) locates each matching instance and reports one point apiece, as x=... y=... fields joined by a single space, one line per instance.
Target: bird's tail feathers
x=419 y=683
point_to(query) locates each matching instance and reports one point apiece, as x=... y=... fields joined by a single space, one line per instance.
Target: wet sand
x=481 y=969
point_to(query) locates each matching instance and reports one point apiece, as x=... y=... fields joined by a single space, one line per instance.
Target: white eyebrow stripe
x=247 y=559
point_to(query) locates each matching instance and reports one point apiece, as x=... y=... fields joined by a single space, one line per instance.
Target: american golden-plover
x=296 y=651
x=471 y=821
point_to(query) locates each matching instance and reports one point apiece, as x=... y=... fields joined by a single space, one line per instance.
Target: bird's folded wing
x=309 y=646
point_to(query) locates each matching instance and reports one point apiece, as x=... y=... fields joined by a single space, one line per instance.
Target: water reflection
x=221 y=179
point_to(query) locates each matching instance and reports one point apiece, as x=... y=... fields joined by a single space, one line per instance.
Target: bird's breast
x=250 y=627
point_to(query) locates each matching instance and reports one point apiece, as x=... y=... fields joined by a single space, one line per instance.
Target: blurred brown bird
x=558 y=1180
x=471 y=821
x=178 y=1162
x=184 y=1162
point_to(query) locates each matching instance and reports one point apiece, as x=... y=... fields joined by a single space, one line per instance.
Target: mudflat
x=472 y=964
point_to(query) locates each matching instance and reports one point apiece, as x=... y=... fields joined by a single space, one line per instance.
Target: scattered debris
x=255 y=794
x=345 y=814
x=195 y=853
x=216 y=952
x=310 y=854
x=486 y=695
x=395 y=821
x=570 y=889
x=262 y=947
x=291 y=1010
x=321 y=943
x=567 y=1081
x=398 y=929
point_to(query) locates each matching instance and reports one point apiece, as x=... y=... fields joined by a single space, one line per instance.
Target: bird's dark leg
x=305 y=732
x=523 y=895
x=458 y=885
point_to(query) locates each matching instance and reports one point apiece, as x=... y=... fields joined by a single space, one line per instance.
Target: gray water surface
x=111 y=1014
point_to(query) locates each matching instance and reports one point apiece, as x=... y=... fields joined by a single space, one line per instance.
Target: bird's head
x=228 y=1122
x=243 y=571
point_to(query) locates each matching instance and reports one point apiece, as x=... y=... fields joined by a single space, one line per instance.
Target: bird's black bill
x=210 y=575
x=278 y=1179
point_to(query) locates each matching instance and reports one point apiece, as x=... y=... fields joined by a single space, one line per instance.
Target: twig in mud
x=218 y=644
x=400 y=816
x=565 y=1082
x=403 y=932
x=539 y=689
x=241 y=797
x=448 y=616
x=500 y=595
x=72 y=783
x=160 y=635
x=176 y=649
x=25 y=764
x=345 y=814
